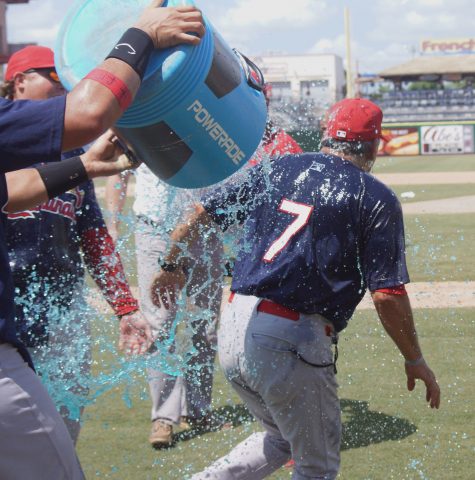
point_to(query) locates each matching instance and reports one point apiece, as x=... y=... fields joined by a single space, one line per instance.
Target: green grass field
x=388 y=433
x=439 y=247
x=435 y=163
x=424 y=193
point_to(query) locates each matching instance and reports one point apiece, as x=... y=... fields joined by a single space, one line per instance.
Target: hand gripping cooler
x=200 y=112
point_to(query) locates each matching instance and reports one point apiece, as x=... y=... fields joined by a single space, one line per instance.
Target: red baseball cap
x=353 y=120
x=32 y=56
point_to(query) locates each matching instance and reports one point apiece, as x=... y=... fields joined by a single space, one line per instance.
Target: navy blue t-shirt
x=317 y=232
x=30 y=132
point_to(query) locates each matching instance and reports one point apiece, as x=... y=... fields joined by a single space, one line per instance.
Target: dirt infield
x=426 y=295
x=436 y=295
x=464 y=204
x=427 y=178
x=444 y=205
x=422 y=294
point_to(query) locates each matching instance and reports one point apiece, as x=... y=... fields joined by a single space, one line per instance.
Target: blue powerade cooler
x=200 y=112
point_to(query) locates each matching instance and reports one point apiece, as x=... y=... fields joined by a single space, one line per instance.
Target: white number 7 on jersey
x=302 y=212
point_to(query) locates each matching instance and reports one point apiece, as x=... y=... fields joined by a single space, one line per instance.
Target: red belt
x=266 y=306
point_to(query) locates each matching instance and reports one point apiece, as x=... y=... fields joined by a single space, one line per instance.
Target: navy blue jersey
x=44 y=247
x=318 y=232
x=7 y=326
x=30 y=132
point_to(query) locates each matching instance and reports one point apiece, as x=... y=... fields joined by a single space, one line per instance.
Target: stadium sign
x=400 y=141
x=414 y=140
x=447 y=139
x=448 y=46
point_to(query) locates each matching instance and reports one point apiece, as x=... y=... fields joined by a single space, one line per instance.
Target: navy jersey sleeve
x=231 y=202
x=384 y=257
x=31 y=131
x=89 y=215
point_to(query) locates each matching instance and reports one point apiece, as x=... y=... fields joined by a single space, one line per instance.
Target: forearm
x=25 y=190
x=171 y=277
x=396 y=316
x=30 y=187
x=186 y=234
x=105 y=266
x=91 y=107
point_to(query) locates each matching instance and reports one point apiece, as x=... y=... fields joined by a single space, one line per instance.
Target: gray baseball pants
x=34 y=442
x=297 y=404
x=174 y=396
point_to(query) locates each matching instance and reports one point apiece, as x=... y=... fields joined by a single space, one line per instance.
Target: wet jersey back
x=318 y=231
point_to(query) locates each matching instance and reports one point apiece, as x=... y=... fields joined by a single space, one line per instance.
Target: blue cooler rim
x=171 y=93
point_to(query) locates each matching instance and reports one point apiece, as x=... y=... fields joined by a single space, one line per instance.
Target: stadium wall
x=428 y=138
x=411 y=139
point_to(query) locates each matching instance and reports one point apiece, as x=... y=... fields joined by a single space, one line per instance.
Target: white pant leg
x=167 y=391
x=175 y=396
x=34 y=442
x=255 y=458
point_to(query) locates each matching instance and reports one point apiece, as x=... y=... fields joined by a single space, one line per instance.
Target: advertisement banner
x=449 y=46
x=447 y=139
x=400 y=141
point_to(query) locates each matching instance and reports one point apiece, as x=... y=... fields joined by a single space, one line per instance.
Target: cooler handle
x=254 y=76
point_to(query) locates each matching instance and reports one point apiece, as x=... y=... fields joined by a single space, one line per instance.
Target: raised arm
x=93 y=106
x=395 y=313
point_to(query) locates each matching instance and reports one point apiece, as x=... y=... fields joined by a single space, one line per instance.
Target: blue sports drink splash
x=199 y=114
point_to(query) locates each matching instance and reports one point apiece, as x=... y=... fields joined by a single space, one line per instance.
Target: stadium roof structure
x=432 y=67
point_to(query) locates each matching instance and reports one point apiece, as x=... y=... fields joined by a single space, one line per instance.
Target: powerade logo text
x=217 y=132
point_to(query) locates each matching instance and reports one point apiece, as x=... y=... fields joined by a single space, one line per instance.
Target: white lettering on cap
x=341 y=134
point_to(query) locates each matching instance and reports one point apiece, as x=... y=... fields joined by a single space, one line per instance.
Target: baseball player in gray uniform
x=318 y=230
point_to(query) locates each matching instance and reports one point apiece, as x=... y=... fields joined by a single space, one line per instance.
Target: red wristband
x=118 y=88
x=398 y=290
